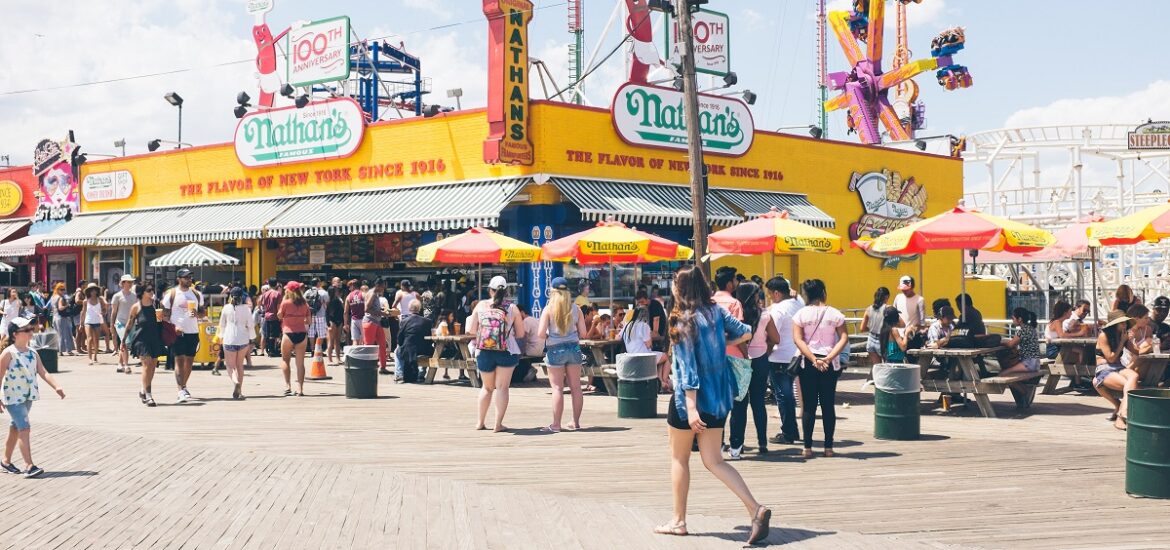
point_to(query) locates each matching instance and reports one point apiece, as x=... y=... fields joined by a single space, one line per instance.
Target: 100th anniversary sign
x=650 y=116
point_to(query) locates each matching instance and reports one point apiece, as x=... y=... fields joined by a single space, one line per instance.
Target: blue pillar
x=537 y=225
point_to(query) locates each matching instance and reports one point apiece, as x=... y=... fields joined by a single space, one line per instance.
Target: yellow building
x=410 y=182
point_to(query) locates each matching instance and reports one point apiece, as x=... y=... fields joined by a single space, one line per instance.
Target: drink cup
x=158 y=315
x=191 y=307
x=458 y=328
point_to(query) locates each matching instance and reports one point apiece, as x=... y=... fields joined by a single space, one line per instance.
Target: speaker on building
x=271 y=245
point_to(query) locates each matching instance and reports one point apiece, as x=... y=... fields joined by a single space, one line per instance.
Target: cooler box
x=208 y=352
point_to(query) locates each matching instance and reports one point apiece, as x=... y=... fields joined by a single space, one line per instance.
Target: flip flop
x=677 y=530
x=550 y=429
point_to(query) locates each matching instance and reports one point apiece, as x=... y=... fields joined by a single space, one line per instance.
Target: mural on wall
x=889 y=202
x=55 y=167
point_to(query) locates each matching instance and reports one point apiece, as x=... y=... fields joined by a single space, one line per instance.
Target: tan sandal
x=673 y=529
x=760 y=524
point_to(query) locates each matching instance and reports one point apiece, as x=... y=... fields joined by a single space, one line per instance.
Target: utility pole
x=694 y=138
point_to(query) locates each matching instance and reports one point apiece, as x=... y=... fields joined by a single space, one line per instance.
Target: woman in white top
x=819 y=333
x=637 y=338
x=11 y=309
x=236 y=329
x=764 y=338
x=92 y=315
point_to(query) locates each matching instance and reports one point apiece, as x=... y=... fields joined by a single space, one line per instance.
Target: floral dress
x=20 y=381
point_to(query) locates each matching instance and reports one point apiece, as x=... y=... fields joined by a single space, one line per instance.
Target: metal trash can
x=361 y=372
x=47 y=344
x=896 y=391
x=637 y=385
x=1147 y=444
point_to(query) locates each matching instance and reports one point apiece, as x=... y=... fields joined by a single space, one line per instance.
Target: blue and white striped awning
x=638 y=203
x=427 y=208
x=81 y=230
x=753 y=204
x=192 y=255
x=187 y=224
x=8 y=227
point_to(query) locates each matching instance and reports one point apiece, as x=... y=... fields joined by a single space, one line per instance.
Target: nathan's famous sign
x=508 y=110
x=652 y=116
x=322 y=130
x=890 y=202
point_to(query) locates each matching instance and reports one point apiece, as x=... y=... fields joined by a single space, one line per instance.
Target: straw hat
x=1116 y=317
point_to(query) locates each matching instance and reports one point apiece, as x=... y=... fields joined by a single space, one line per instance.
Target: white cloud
x=453 y=63
x=754 y=20
x=1151 y=102
x=433 y=7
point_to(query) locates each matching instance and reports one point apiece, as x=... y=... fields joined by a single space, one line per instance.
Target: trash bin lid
x=361 y=352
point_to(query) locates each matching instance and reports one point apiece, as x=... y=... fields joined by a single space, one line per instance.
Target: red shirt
x=269 y=301
x=294 y=317
x=726 y=301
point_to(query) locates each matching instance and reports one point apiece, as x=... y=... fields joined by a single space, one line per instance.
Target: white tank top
x=93 y=312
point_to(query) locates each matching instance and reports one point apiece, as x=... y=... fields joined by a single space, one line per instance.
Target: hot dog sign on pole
x=508 y=141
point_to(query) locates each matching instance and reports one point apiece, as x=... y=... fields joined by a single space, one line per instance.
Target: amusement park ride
x=865 y=88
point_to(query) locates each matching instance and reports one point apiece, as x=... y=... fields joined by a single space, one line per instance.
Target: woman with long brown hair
x=704 y=392
x=294 y=317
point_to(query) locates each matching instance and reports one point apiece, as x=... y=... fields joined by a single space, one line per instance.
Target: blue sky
x=1026 y=57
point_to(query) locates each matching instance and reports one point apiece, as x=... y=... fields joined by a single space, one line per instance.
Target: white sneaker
x=183 y=396
x=735 y=453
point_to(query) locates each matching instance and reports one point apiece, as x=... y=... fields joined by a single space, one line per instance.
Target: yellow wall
x=575 y=141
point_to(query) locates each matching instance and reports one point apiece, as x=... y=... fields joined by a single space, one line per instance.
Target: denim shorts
x=1103 y=372
x=873 y=344
x=231 y=348
x=561 y=355
x=488 y=360
x=19 y=414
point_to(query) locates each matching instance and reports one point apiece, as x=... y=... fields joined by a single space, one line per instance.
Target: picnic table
x=1150 y=366
x=1067 y=364
x=460 y=343
x=971 y=382
x=603 y=367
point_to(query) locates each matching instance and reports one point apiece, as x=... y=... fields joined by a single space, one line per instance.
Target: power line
x=622 y=42
x=239 y=61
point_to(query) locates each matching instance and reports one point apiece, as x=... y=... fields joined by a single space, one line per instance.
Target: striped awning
x=191 y=255
x=24 y=246
x=186 y=224
x=8 y=227
x=756 y=203
x=5 y=267
x=427 y=208
x=81 y=230
x=638 y=203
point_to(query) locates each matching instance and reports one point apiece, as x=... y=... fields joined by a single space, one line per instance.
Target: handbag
x=169 y=333
x=742 y=368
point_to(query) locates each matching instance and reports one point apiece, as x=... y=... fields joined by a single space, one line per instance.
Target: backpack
x=493 y=329
x=71 y=308
x=313 y=298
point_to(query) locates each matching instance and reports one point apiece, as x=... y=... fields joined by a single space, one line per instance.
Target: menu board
x=348 y=250
x=292 y=252
x=397 y=248
x=337 y=250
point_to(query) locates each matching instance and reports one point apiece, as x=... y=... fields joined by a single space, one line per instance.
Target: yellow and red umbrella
x=612 y=242
x=478 y=246
x=773 y=233
x=1149 y=225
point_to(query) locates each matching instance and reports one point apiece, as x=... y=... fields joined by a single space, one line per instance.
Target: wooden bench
x=607 y=374
x=972 y=383
x=433 y=365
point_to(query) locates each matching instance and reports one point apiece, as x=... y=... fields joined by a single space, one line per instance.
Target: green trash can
x=1147 y=444
x=895 y=401
x=361 y=372
x=638 y=398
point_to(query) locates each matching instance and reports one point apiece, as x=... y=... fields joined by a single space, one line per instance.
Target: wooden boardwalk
x=407 y=471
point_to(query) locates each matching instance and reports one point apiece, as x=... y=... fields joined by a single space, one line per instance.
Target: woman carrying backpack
x=496 y=324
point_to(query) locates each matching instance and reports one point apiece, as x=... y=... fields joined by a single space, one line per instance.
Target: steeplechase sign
x=1151 y=135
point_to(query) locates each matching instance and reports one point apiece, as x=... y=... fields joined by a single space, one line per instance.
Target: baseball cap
x=183 y=273
x=905 y=282
x=237 y=292
x=127 y=278
x=560 y=283
x=293 y=285
x=1161 y=302
x=17 y=324
x=498 y=282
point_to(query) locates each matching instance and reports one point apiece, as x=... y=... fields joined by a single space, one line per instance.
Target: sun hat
x=1116 y=317
x=559 y=283
x=127 y=278
x=498 y=282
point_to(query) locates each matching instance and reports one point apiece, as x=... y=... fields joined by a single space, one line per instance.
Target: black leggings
x=818 y=387
x=761 y=369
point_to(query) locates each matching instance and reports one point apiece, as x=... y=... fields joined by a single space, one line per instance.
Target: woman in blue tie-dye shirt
x=19 y=367
x=704 y=391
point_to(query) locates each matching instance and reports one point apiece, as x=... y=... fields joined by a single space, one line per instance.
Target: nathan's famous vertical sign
x=508 y=110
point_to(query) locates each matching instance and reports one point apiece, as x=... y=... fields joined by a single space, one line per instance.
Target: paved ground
x=407 y=471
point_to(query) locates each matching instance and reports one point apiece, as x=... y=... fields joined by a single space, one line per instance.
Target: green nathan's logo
x=324 y=130
x=647 y=115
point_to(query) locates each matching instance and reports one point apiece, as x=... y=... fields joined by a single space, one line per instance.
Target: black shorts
x=296 y=337
x=185 y=345
x=676 y=421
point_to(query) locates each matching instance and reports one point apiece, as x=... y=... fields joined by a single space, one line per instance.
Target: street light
x=154 y=144
x=121 y=143
x=813 y=130
x=456 y=93
x=177 y=101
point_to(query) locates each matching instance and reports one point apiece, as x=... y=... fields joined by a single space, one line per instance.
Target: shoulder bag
x=795 y=367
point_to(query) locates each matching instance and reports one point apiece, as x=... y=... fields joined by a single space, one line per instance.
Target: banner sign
x=890 y=203
x=107 y=186
x=508 y=109
x=327 y=129
x=11 y=197
x=318 y=52
x=712 y=41
x=57 y=197
x=47 y=154
x=1151 y=135
x=651 y=116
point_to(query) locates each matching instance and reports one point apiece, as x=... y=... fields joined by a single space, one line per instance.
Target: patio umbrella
x=612 y=242
x=1150 y=225
x=478 y=246
x=195 y=254
x=961 y=229
x=770 y=234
